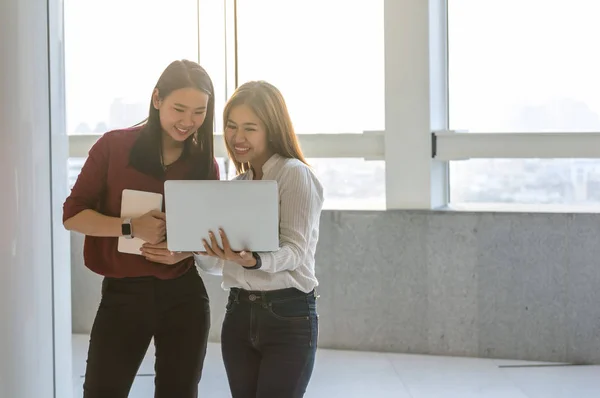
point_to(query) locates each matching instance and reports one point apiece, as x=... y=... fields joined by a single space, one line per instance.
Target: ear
x=156 y=101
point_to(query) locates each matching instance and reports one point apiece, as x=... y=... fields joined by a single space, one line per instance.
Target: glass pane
x=524 y=65
x=115 y=51
x=74 y=166
x=526 y=181
x=326 y=57
x=351 y=183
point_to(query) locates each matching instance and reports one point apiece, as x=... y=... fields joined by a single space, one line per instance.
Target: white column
x=30 y=347
x=415 y=102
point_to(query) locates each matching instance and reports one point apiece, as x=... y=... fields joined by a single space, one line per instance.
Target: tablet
x=134 y=204
x=248 y=212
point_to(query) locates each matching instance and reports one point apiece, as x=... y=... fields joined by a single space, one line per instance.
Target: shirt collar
x=268 y=166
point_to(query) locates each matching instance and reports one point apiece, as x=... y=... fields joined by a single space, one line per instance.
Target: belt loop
x=263 y=295
x=236 y=296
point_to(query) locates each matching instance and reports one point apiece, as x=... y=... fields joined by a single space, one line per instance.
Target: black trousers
x=269 y=342
x=132 y=311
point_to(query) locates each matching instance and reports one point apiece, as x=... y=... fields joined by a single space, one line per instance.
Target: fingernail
x=221 y=231
x=243 y=253
x=210 y=233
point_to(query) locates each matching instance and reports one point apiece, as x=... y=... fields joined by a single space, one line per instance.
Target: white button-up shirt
x=293 y=265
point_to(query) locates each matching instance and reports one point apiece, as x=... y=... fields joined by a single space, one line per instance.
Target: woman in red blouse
x=158 y=294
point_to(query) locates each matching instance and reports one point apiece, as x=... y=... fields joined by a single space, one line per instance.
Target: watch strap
x=258 y=261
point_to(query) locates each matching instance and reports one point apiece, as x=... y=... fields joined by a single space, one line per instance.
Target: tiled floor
x=375 y=375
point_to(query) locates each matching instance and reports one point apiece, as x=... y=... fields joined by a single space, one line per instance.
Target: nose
x=239 y=136
x=187 y=120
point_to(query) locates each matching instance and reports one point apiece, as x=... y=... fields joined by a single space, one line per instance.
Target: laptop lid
x=248 y=212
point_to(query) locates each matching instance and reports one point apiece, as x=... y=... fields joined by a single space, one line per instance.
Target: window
x=524 y=66
x=74 y=166
x=568 y=182
x=326 y=57
x=332 y=75
x=115 y=51
x=351 y=183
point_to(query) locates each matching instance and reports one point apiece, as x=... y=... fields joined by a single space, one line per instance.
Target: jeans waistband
x=269 y=296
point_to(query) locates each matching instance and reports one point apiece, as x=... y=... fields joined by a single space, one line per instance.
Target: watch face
x=126 y=229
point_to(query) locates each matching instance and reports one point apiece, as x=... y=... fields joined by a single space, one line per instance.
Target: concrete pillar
x=35 y=345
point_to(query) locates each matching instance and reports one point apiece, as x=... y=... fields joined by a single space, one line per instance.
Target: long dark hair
x=145 y=153
x=268 y=104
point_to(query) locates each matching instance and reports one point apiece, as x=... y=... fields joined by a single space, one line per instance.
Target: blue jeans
x=269 y=342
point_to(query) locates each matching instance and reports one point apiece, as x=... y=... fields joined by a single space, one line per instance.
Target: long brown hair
x=268 y=105
x=145 y=154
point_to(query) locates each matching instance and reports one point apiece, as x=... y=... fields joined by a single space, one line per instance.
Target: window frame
x=451 y=145
x=368 y=146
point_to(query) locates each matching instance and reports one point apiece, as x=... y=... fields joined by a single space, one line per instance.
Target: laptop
x=248 y=212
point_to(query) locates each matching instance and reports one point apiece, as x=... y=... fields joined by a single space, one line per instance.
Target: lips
x=241 y=150
x=182 y=131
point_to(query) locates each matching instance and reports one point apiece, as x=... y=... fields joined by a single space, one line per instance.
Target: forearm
x=92 y=223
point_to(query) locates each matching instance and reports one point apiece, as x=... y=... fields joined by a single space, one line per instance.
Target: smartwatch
x=126 y=229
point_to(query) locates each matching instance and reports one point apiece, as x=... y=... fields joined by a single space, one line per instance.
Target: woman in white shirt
x=270 y=331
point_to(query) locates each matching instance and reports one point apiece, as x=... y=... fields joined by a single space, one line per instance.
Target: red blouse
x=104 y=176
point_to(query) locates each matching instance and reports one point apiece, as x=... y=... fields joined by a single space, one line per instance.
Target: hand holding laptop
x=159 y=253
x=245 y=258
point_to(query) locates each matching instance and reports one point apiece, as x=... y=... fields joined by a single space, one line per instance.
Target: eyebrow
x=186 y=107
x=244 y=124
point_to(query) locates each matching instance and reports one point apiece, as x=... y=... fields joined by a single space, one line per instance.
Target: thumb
x=246 y=255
